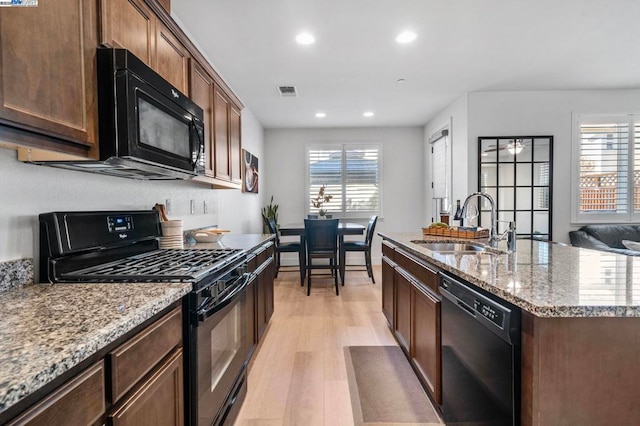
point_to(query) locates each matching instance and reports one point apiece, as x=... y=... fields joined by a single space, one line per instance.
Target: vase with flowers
x=320 y=199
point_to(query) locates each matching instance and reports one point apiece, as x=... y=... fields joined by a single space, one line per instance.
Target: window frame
x=577 y=217
x=344 y=147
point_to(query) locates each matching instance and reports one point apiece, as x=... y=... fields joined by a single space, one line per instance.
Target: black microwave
x=146 y=126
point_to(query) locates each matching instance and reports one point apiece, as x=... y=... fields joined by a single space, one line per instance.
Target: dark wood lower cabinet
x=402 y=326
x=79 y=402
x=388 y=288
x=425 y=339
x=412 y=306
x=158 y=401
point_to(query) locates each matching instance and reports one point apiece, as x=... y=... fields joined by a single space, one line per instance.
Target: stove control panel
x=119 y=223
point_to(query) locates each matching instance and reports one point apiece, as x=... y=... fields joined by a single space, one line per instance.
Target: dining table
x=344 y=228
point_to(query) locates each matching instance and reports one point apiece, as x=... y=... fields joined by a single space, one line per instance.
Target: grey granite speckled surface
x=15 y=273
x=48 y=329
x=548 y=280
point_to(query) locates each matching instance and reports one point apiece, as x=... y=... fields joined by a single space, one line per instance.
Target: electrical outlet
x=192 y=204
x=168 y=206
x=205 y=207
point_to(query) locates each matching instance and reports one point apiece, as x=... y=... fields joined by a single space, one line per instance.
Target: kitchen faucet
x=510 y=233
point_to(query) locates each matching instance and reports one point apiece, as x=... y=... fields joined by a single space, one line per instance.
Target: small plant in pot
x=269 y=212
x=320 y=199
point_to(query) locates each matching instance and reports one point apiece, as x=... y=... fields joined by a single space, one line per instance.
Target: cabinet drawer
x=388 y=250
x=424 y=274
x=135 y=358
x=158 y=401
x=79 y=402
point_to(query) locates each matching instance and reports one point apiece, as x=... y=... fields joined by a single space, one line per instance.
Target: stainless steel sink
x=462 y=248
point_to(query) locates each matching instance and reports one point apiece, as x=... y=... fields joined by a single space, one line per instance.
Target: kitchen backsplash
x=15 y=273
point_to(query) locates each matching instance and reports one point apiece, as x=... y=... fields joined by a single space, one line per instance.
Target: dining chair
x=322 y=243
x=288 y=247
x=361 y=246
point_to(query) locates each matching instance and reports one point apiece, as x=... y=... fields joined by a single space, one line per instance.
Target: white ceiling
x=462 y=46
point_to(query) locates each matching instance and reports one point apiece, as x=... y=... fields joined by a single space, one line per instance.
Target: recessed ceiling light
x=321 y=114
x=406 y=37
x=367 y=114
x=400 y=80
x=305 y=38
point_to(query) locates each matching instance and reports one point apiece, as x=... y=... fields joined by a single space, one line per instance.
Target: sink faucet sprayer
x=510 y=233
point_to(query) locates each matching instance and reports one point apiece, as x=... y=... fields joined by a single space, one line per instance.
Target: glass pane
x=505 y=199
x=523 y=198
x=488 y=152
x=541 y=149
x=540 y=222
x=541 y=174
x=522 y=149
x=485 y=219
x=541 y=198
x=523 y=174
x=226 y=340
x=488 y=175
x=523 y=222
x=505 y=175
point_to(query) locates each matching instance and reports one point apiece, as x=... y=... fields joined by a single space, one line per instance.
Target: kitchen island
x=580 y=336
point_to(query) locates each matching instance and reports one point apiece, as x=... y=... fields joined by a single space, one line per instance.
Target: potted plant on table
x=269 y=212
x=320 y=199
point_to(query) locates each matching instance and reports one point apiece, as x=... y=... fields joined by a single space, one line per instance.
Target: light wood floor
x=297 y=375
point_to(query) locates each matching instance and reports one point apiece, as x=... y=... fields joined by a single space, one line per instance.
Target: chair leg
x=277 y=264
x=367 y=258
x=302 y=261
x=343 y=269
x=335 y=278
x=309 y=282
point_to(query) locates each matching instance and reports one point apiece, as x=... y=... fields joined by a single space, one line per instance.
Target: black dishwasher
x=480 y=357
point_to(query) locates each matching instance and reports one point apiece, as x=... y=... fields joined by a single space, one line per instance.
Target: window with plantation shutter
x=351 y=174
x=607 y=182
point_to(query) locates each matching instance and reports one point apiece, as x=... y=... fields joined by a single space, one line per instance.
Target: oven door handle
x=208 y=311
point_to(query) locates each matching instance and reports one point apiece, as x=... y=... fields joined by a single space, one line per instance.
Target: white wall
x=403 y=173
x=27 y=190
x=526 y=113
x=455 y=115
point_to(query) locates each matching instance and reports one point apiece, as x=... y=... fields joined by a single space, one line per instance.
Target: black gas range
x=122 y=246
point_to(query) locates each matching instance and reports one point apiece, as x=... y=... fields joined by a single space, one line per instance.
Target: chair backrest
x=321 y=235
x=312 y=216
x=371 y=227
x=273 y=228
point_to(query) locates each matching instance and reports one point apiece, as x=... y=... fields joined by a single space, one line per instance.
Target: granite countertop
x=547 y=280
x=48 y=329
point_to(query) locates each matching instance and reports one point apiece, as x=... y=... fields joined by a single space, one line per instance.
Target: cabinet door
x=425 y=338
x=269 y=280
x=201 y=92
x=171 y=58
x=47 y=70
x=402 y=326
x=79 y=402
x=261 y=294
x=158 y=401
x=235 y=147
x=129 y=24
x=387 y=290
x=221 y=136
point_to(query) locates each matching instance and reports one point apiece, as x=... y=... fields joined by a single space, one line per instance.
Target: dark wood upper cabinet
x=129 y=24
x=201 y=92
x=171 y=59
x=48 y=78
x=222 y=164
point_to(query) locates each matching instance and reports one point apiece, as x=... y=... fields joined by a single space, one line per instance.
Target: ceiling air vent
x=287 y=91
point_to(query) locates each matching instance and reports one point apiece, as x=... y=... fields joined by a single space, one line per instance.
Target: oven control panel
x=119 y=223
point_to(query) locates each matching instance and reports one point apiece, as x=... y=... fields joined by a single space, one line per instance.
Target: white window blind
x=608 y=158
x=352 y=175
